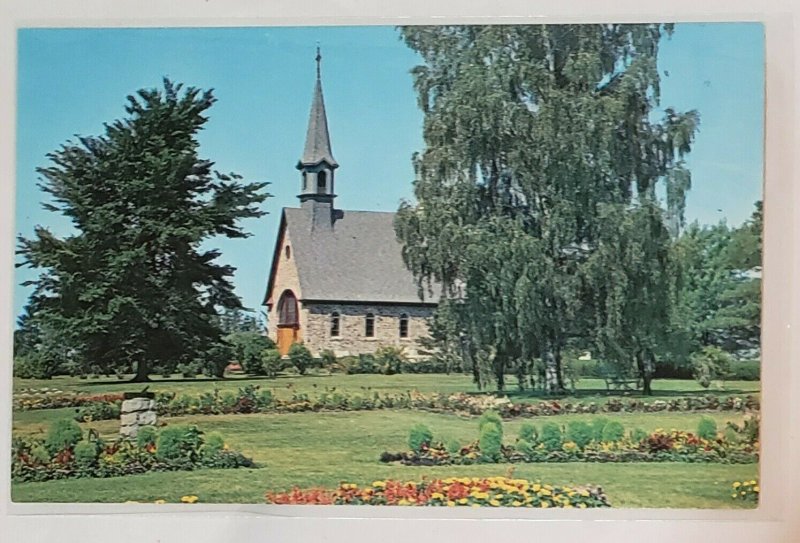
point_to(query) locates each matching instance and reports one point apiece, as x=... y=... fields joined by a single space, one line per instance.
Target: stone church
x=337 y=279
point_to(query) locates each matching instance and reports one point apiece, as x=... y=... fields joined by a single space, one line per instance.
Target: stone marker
x=138 y=409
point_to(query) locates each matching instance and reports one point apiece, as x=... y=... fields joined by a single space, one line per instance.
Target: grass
x=323 y=449
x=587 y=389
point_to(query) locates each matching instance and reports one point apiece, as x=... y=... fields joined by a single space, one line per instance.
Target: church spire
x=317 y=164
x=318 y=142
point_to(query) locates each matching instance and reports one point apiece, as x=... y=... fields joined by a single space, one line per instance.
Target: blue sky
x=71 y=81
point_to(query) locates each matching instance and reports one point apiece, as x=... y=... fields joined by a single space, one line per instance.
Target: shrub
x=178 y=443
x=98 y=411
x=580 y=433
x=707 y=428
x=301 y=357
x=598 y=424
x=40 y=455
x=745 y=370
x=327 y=359
x=390 y=359
x=529 y=433
x=524 y=447
x=146 y=436
x=214 y=443
x=247 y=349
x=551 y=436
x=710 y=364
x=638 y=435
x=490 y=442
x=270 y=362
x=453 y=447
x=85 y=454
x=419 y=437
x=34 y=365
x=491 y=418
x=613 y=432
x=264 y=399
x=62 y=434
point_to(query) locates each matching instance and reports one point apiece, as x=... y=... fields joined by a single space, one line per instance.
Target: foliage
x=214 y=443
x=453 y=446
x=527 y=215
x=473 y=492
x=85 y=454
x=146 y=437
x=248 y=350
x=711 y=364
x=35 y=365
x=62 y=434
x=637 y=434
x=132 y=286
x=551 y=437
x=598 y=425
x=300 y=357
x=179 y=443
x=580 y=433
x=490 y=441
x=30 y=461
x=707 y=428
x=390 y=359
x=746 y=490
x=490 y=418
x=529 y=433
x=98 y=411
x=420 y=437
x=580 y=446
x=328 y=358
x=613 y=432
x=270 y=362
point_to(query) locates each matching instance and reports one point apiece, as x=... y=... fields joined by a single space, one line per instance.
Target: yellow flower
x=753 y=482
x=189 y=499
x=463 y=501
x=756 y=488
x=437 y=496
x=582 y=505
x=494 y=503
x=160 y=502
x=537 y=487
x=403 y=502
x=734 y=495
x=451 y=503
x=737 y=484
x=544 y=505
x=379 y=484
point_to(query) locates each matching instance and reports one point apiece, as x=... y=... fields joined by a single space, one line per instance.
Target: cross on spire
x=318 y=58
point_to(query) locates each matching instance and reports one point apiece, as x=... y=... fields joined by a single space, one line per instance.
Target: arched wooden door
x=288 y=322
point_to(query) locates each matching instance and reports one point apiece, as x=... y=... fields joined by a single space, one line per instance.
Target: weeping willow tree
x=538 y=141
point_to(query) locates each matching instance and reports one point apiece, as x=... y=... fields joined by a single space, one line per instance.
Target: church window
x=369 y=325
x=287 y=309
x=321 y=183
x=288 y=252
x=335 y=324
x=403 y=325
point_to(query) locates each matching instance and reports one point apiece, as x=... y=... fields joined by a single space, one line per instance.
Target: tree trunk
x=559 y=371
x=550 y=373
x=142 y=372
x=646 y=367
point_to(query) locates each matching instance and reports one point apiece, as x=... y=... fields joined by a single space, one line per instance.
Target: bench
x=623 y=383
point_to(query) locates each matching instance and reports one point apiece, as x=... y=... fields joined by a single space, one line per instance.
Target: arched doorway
x=288 y=321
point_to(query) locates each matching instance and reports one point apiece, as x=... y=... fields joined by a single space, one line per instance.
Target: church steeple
x=317 y=163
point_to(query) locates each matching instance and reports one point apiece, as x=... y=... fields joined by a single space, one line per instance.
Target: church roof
x=318 y=141
x=358 y=260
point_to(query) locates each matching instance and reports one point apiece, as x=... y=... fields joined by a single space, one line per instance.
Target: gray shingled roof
x=318 y=142
x=358 y=260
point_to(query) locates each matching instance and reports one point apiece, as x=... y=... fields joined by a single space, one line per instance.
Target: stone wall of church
x=286 y=278
x=352 y=339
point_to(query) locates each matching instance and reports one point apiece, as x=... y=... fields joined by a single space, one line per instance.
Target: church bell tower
x=317 y=165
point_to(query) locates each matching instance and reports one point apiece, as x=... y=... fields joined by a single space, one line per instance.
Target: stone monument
x=138 y=409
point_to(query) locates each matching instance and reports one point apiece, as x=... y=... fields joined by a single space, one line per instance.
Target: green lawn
x=323 y=449
x=285 y=385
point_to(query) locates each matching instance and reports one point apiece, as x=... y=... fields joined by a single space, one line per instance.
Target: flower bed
x=253 y=399
x=580 y=441
x=68 y=453
x=453 y=492
x=47 y=398
x=748 y=491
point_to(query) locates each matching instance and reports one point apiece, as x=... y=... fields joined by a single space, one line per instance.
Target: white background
x=777 y=519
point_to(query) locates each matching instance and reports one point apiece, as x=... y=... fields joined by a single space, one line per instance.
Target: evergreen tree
x=132 y=287
x=535 y=136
